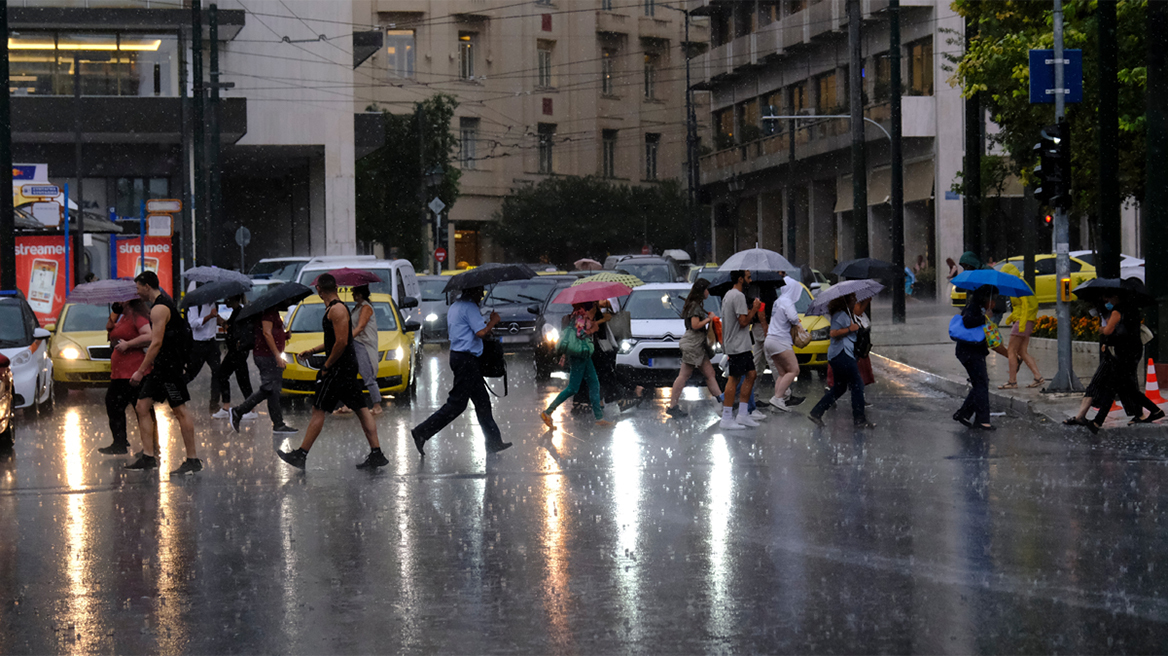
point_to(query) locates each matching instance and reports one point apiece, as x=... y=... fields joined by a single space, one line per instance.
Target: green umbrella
x=612 y=276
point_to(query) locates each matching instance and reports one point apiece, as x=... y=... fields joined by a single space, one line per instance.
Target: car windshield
x=85 y=317
x=256 y=291
x=277 y=269
x=647 y=271
x=12 y=327
x=803 y=303
x=383 y=287
x=523 y=292
x=309 y=317
x=662 y=304
x=432 y=289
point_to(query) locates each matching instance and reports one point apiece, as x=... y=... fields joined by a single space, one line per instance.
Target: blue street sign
x=1042 y=89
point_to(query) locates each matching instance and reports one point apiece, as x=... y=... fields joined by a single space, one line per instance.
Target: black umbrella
x=488 y=274
x=214 y=291
x=865 y=267
x=278 y=297
x=1130 y=290
x=721 y=283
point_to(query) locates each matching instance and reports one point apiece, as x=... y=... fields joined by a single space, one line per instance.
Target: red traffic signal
x=1049 y=218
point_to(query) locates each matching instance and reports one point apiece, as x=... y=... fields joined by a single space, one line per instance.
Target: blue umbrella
x=1007 y=284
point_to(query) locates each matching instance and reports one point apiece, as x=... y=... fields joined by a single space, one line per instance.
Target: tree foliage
x=565 y=218
x=391 y=193
x=995 y=64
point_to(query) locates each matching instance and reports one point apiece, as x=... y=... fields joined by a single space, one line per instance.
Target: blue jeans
x=847 y=375
x=581 y=368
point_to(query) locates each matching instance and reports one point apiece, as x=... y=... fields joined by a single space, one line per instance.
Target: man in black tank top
x=161 y=375
x=337 y=381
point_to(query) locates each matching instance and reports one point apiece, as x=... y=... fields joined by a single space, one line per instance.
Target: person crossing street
x=204 y=320
x=737 y=318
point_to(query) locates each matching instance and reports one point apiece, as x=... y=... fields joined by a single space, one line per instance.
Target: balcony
x=608 y=22
x=824 y=18
x=650 y=27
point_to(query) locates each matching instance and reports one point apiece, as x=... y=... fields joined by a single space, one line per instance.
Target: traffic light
x=1054 y=166
x=1048 y=219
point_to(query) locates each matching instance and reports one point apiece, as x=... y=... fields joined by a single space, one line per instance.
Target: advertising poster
x=158 y=259
x=40 y=274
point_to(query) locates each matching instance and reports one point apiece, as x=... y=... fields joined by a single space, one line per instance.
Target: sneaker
x=251 y=415
x=284 y=428
x=374 y=460
x=676 y=412
x=779 y=404
x=757 y=415
x=143 y=462
x=115 y=449
x=792 y=400
x=418 y=442
x=730 y=424
x=189 y=466
x=818 y=421
x=222 y=414
x=745 y=420
x=235 y=417
x=501 y=446
x=604 y=423
x=295 y=458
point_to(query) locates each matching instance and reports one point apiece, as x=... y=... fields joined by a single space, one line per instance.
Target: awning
x=879 y=189
x=918 y=181
x=843 y=194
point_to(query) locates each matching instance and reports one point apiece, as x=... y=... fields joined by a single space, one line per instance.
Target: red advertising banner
x=158 y=258
x=40 y=274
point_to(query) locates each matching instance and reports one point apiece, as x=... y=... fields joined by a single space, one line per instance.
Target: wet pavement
x=656 y=536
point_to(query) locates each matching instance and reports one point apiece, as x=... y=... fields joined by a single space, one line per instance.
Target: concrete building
x=579 y=87
x=790 y=57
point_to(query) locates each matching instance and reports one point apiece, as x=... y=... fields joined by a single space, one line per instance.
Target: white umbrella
x=757 y=259
x=861 y=288
x=215 y=274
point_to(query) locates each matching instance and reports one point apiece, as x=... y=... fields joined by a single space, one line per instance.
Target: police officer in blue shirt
x=467 y=329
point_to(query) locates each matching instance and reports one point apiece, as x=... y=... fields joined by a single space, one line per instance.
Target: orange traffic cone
x=1151 y=387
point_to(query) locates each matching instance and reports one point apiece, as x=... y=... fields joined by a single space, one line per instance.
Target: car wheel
x=50 y=403
x=7 y=438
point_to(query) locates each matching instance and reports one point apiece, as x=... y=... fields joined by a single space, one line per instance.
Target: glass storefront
x=114 y=64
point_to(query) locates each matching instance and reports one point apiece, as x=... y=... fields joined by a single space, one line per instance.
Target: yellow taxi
x=397 y=355
x=815 y=353
x=1045 y=278
x=80 y=347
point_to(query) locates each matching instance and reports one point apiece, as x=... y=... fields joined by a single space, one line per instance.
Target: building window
x=608 y=154
x=920 y=68
x=799 y=102
x=744 y=17
x=545 y=22
x=652 y=142
x=826 y=102
x=547 y=135
x=467 y=42
x=547 y=107
x=468 y=130
x=543 y=52
x=399 y=52
x=796 y=6
x=109 y=64
x=130 y=193
x=605 y=5
x=607 y=68
x=768 y=11
x=650 y=7
x=723 y=129
x=881 y=86
x=652 y=62
x=719 y=29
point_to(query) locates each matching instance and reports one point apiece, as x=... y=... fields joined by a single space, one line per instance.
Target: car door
x=1044 y=279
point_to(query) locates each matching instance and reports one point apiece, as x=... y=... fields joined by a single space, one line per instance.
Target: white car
x=651 y=356
x=1129 y=266
x=26 y=345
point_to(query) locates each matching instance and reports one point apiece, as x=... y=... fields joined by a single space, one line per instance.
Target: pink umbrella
x=347 y=277
x=587 y=264
x=592 y=291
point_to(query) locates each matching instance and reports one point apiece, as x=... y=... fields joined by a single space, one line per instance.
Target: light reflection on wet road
x=657 y=535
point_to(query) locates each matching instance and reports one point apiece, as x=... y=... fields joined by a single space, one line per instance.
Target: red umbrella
x=347 y=277
x=592 y=291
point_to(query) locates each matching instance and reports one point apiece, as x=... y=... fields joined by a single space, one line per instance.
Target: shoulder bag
x=492 y=363
x=799 y=336
x=959 y=333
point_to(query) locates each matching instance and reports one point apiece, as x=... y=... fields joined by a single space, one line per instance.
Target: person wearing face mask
x=973 y=346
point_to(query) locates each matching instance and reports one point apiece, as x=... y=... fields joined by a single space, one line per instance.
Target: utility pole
x=199 y=139
x=1110 y=231
x=76 y=246
x=971 y=173
x=1030 y=214
x=856 y=103
x=1065 y=380
x=214 y=191
x=789 y=193
x=1155 y=206
x=691 y=148
x=187 y=244
x=7 y=218
x=897 y=157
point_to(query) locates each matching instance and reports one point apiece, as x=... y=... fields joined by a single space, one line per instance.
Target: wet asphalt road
x=656 y=536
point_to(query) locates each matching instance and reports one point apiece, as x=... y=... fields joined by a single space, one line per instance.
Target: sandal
x=1038 y=382
x=1008 y=386
x=1074 y=421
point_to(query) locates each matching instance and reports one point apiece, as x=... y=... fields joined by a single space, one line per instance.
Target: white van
x=397 y=279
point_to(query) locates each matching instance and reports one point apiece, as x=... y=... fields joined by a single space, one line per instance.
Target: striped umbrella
x=611 y=276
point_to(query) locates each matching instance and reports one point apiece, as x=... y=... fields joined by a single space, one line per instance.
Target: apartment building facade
x=790 y=57
x=545 y=88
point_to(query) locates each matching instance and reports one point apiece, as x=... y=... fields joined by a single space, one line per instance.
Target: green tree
x=996 y=64
x=391 y=190
x=565 y=218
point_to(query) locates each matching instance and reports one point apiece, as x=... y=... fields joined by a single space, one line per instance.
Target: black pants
x=118 y=395
x=977 y=402
x=846 y=374
x=1124 y=385
x=205 y=352
x=468 y=386
x=235 y=362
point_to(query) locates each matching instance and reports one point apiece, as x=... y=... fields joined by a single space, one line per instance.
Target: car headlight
x=21 y=358
x=431 y=318
x=285 y=357
x=395 y=354
x=70 y=353
x=627 y=345
x=551 y=335
x=821 y=334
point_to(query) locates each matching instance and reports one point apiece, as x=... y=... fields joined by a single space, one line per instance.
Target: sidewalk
x=922 y=346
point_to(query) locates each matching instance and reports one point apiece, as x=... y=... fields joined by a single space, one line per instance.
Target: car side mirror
x=413 y=326
x=533 y=309
x=51 y=327
x=41 y=333
x=408 y=302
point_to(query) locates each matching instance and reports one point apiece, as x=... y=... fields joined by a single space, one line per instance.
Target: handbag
x=799 y=336
x=1146 y=334
x=993 y=337
x=492 y=364
x=575 y=346
x=863 y=344
x=959 y=333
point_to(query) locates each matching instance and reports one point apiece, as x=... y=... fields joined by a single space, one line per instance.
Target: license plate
x=665 y=363
x=513 y=339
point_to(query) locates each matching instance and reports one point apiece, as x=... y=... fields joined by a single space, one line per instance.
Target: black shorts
x=741 y=364
x=162 y=387
x=339 y=386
